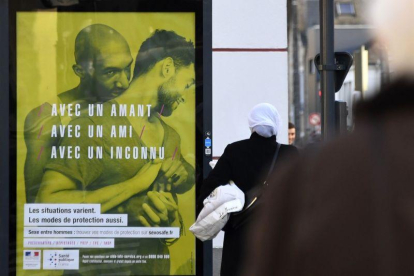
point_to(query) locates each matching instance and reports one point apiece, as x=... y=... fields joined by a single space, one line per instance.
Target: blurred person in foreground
x=348 y=209
x=246 y=162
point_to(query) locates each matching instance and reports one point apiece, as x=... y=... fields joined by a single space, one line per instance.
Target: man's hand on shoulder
x=172 y=175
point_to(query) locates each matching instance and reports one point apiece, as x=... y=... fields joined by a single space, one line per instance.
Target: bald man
x=103 y=65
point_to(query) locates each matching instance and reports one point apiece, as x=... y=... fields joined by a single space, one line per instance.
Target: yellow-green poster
x=106 y=143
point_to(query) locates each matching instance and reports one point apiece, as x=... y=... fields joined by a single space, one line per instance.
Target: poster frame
x=8 y=102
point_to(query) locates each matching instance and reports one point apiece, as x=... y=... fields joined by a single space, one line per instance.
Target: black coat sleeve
x=220 y=175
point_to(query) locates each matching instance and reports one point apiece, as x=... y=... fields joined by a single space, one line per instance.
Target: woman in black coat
x=247 y=163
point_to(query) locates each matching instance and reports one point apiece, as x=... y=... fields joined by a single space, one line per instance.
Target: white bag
x=218 y=205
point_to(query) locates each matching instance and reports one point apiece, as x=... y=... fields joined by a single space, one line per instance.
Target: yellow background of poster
x=45 y=55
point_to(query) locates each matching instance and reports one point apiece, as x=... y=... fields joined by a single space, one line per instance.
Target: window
x=347 y=8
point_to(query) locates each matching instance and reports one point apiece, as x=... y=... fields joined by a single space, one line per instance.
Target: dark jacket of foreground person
x=349 y=208
x=246 y=162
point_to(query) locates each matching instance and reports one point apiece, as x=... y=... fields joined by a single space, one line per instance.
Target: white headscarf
x=264 y=120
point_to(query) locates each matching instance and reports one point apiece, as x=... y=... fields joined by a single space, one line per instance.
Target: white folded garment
x=218 y=205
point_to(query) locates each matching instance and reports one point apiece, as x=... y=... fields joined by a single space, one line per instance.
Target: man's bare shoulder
x=69 y=96
x=40 y=116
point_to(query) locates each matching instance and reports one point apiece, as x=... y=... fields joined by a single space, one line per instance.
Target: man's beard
x=166 y=102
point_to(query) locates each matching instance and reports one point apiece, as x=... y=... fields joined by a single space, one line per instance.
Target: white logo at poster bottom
x=31 y=259
x=60 y=259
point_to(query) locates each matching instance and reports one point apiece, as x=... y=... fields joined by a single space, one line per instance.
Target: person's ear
x=79 y=71
x=168 y=68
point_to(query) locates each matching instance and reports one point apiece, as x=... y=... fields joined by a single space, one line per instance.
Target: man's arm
x=190 y=182
x=58 y=188
x=37 y=136
x=176 y=175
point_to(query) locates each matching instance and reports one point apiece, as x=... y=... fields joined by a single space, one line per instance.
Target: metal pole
x=4 y=140
x=207 y=114
x=326 y=11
